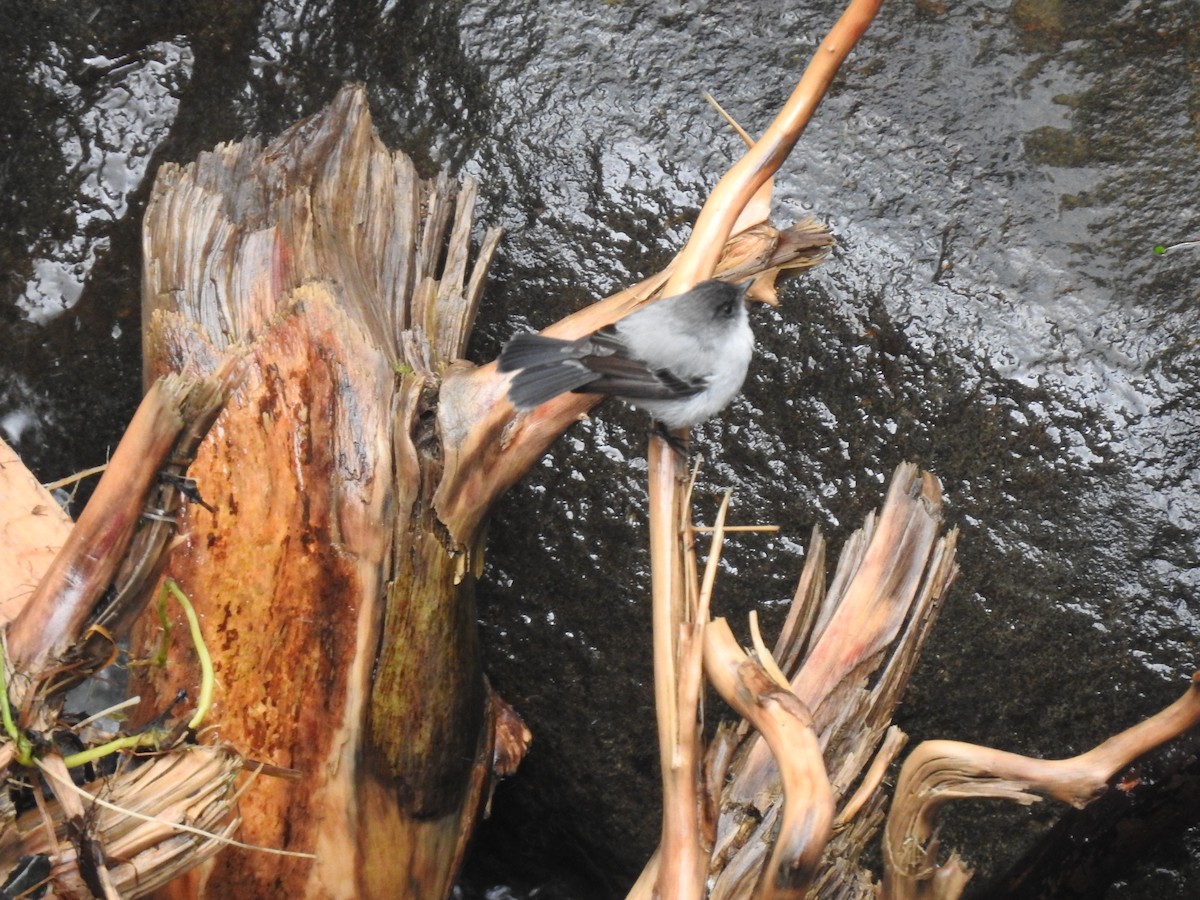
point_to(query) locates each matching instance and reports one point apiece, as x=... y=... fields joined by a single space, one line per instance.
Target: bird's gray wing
x=631 y=379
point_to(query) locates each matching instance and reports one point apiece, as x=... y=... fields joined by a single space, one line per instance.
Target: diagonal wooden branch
x=723 y=207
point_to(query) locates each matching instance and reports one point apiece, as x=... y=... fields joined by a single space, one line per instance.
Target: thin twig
x=78 y=476
x=728 y=528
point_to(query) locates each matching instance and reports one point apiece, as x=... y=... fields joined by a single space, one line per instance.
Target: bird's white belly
x=684 y=412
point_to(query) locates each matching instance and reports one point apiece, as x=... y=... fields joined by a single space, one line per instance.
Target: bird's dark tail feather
x=534 y=385
x=545 y=367
x=526 y=350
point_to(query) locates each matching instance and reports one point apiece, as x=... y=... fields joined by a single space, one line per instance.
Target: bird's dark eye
x=725 y=310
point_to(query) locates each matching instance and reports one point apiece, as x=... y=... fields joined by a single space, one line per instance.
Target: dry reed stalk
x=676 y=630
x=139 y=828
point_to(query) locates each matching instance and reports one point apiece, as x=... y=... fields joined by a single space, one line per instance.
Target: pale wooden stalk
x=893 y=742
x=806 y=818
x=682 y=857
x=679 y=873
x=738 y=186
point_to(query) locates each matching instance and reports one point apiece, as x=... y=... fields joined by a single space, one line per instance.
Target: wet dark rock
x=997 y=174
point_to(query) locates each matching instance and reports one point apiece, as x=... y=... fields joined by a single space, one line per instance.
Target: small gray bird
x=682 y=358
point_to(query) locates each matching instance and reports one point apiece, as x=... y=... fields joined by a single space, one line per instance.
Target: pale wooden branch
x=724 y=205
x=939 y=771
x=807 y=809
x=87 y=564
x=33 y=528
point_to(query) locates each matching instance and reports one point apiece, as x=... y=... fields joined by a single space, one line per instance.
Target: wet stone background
x=997 y=173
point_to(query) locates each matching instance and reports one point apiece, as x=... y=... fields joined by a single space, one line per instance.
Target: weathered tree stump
x=342 y=620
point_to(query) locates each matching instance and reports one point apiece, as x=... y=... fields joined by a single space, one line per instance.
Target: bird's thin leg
x=676 y=443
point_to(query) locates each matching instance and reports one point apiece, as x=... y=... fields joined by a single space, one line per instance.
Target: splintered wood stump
x=339 y=612
x=348 y=479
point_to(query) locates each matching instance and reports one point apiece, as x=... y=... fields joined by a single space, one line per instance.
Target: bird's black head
x=726 y=301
